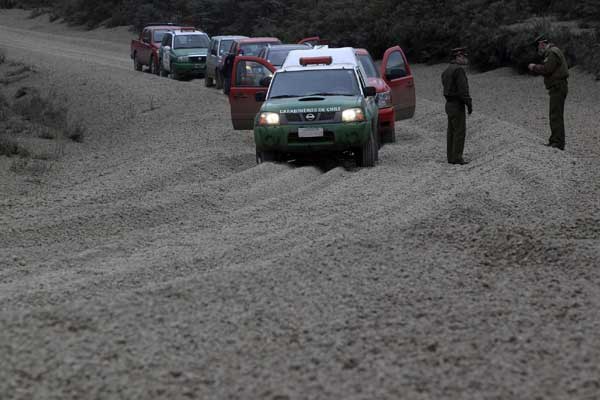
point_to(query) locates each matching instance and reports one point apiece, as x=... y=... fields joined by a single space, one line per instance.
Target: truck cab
x=318 y=101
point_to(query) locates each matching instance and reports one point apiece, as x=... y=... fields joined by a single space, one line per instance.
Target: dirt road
x=156 y=260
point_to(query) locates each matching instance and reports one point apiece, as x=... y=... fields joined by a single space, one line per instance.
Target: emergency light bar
x=304 y=61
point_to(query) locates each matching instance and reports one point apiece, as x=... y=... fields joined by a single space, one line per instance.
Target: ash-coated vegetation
x=426 y=29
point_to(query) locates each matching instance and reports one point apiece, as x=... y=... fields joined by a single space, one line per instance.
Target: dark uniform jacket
x=456 y=85
x=554 y=69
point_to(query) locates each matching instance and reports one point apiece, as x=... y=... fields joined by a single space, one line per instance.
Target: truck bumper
x=189 y=68
x=336 y=137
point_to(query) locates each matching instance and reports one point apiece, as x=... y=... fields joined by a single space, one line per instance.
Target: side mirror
x=260 y=96
x=370 y=91
x=395 y=73
x=266 y=81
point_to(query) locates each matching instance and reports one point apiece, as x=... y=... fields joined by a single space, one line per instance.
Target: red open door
x=314 y=41
x=396 y=73
x=249 y=77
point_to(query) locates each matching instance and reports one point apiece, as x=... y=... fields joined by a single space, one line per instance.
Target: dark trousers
x=558 y=95
x=457 y=129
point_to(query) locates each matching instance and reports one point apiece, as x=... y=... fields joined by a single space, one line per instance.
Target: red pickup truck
x=144 y=50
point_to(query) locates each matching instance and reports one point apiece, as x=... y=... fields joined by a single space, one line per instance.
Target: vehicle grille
x=328 y=137
x=198 y=59
x=320 y=117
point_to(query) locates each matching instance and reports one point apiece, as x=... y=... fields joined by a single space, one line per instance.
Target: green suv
x=183 y=53
x=318 y=101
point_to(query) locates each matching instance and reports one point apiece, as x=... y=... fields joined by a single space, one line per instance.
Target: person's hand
x=531 y=67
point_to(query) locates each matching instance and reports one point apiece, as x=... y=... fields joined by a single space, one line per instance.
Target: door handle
x=240 y=96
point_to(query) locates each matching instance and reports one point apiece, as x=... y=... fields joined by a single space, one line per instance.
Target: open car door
x=250 y=75
x=314 y=41
x=396 y=73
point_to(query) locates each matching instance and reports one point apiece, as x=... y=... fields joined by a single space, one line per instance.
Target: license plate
x=310 y=132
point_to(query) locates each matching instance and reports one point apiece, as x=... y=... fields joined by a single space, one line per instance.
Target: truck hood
x=379 y=84
x=201 y=51
x=312 y=104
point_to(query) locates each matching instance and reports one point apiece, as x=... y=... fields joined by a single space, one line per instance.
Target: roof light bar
x=304 y=61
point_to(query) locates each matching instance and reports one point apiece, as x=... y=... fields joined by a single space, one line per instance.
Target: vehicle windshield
x=333 y=82
x=252 y=49
x=277 y=57
x=158 y=36
x=190 y=41
x=225 y=46
x=369 y=66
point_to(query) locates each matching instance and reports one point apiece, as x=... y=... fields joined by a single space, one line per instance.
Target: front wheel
x=153 y=67
x=266 y=156
x=161 y=70
x=365 y=155
x=174 y=74
x=219 y=80
x=388 y=135
x=137 y=65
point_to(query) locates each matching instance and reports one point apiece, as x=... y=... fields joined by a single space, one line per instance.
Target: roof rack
x=161 y=24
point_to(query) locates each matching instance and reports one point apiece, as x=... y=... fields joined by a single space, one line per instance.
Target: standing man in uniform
x=456 y=92
x=555 y=71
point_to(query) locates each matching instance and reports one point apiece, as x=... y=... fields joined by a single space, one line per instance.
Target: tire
x=388 y=136
x=365 y=155
x=208 y=82
x=226 y=86
x=153 y=66
x=173 y=73
x=266 y=156
x=137 y=65
x=161 y=71
x=219 y=81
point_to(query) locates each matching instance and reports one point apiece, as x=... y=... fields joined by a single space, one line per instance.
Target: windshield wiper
x=328 y=94
x=284 y=96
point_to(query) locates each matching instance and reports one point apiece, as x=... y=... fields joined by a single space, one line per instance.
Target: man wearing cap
x=456 y=92
x=555 y=71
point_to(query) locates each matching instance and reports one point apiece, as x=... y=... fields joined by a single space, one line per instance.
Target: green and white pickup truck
x=318 y=101
x=183 y=53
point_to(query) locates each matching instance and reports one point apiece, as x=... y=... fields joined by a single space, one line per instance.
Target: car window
x=146 y=35
x=225 y=46
x=213 y=47
x=277 y=57
x=395 y=65
x=369 y=66
x=250 y=73
x=158 y=35
x=252 y=49
x=333 y=82
x=190 y=41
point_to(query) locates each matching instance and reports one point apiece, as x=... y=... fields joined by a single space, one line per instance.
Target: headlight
x=384 y=99
x=268 y=118
x=353 y=115
x=183 y=59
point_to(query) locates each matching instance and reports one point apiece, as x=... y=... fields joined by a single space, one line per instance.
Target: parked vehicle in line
x=276 y=54
x=318 y=101
x=183 y=53
x=314 y=41
x=219 y=47
x=395 y=89
x=243 y=47
x=144 y=50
